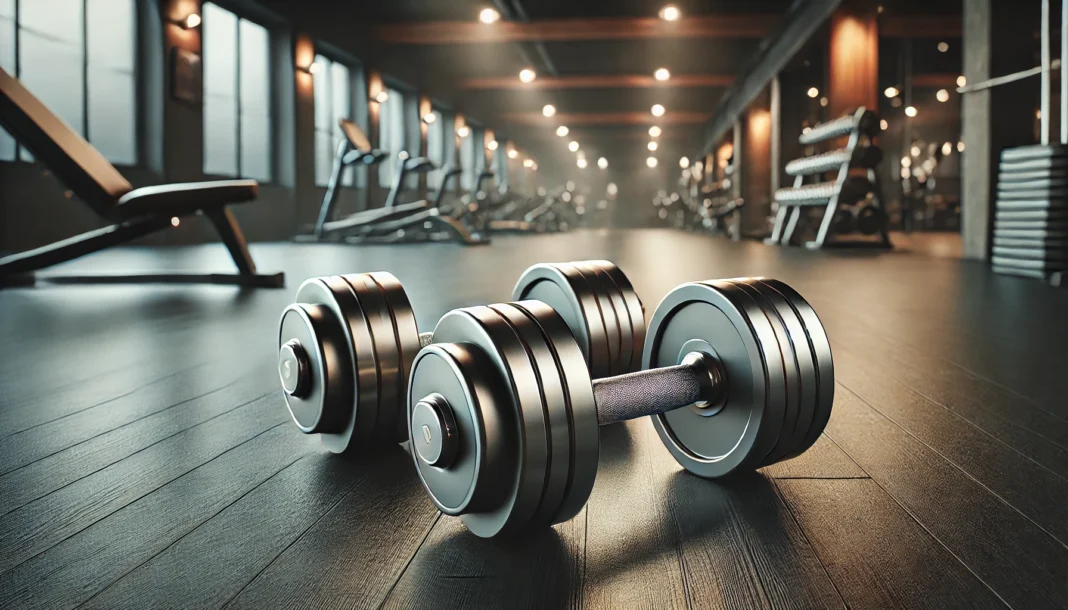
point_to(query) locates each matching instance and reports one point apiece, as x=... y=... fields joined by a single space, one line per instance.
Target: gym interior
x=517 y=303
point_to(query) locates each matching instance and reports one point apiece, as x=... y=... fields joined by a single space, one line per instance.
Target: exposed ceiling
x=594 y=59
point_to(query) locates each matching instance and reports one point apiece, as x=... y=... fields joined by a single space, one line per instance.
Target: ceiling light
x=651 y=161
x=947 y=148
x=429 y=118
x=581 y=163
x=190 y=22
x=657 y=110
x=492 y=145
x=662 y=74
x=891 y=92
x=527 y=75
x=573 y=146
x=488 y=15
x=652 y=146
x=562 y=130
x=942 y=95
x=175 y=221
x=813 y=92
x=512 y=154
x=602 y=163
x=528 y=162
x=910 y=111
x=961 y=81
x=382 y=96
x=548 y=110
x=915 y=150
x=612 y=188
x=670 y=13
x=684 y=162
x=654 y=131
x=960 y=146
x=824 y=101
x=463 y=131
x=314 y=68
x=883 y=124
x=943 y=47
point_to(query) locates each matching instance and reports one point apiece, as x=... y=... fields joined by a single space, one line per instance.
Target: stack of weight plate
x=1031 y=214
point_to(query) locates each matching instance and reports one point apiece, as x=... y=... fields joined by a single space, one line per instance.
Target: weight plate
x=557 y=419
x=356 y=429
x=1038 y=244
x=788 y=364
x=602 y=288
x=463 y=380
x=737 y=437
x=806 y=365
x=407 y=339
x=635 y=309
x=562 y=288
x=386 y=351
x=821 y=350
x=582 y=409
x=1025 y=201
x=1022 y=263
x=484 y=328
x=321 y=405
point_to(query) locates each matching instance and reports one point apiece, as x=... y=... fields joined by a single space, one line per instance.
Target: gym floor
x=147 y=458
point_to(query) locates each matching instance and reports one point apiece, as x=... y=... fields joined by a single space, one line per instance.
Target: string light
x=527 y=75
x=562 y=131
x=651 y=161
x=548 y=110
x=657 y=110
x=654 y=131
x=662 y=74
x=670 y=12
x=489 y=16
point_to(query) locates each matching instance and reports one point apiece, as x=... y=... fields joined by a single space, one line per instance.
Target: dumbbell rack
x=1031 y=213
x=859 y=153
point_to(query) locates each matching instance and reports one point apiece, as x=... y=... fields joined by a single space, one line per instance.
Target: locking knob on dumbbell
x=739 y=376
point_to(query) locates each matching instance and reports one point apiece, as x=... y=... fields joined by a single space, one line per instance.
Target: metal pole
x=1045 y=95
x=1064 y=72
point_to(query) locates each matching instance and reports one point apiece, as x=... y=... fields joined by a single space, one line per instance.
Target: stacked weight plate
x=778 y=366
x=1031 y=213
x=599 y=305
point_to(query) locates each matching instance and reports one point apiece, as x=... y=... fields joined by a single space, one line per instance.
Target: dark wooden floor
x=147 y=460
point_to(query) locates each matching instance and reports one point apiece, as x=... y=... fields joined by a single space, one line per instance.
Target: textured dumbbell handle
x=698 y=381
x=425 y=339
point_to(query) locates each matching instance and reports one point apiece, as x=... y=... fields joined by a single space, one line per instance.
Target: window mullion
x=237 y=90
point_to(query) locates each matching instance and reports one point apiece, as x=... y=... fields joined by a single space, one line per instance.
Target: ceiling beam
x=609 y=118
x=600 y=81
x=558 y=30
x=920 y=26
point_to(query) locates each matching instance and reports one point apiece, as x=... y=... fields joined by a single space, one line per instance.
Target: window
x=237 y=94
x=79 y=58
x=390 y=134
x=333 y=102
x=435 y=148
x=467 y=161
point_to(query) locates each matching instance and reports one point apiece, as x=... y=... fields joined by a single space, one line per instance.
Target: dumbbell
x=347 y=344
x=504 y=415
x=844 y=221
x=870 y=219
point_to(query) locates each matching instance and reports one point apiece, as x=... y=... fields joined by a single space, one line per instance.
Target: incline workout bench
x=846 y=189
x=133 y=212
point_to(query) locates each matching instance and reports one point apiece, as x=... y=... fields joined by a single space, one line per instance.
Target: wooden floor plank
x=824 y=460
x=46 y=439
x=1036 y=491
x=358 y=550
x=878 y=556
x=278 y=512
x=61 y=468
x=632 y=553
x=47 y=521
x=456 y=569
x=95 y=557
x=1024 y=565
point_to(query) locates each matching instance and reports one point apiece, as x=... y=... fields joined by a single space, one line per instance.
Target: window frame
x=138 y=83
x=269 y=28
x=355 y=73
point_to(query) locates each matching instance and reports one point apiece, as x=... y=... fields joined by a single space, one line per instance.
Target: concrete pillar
x=998 y=40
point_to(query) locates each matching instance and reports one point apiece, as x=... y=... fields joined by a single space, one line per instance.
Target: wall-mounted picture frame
x=185 y=75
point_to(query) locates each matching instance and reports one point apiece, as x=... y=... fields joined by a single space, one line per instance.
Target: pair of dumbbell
x=502 y=413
